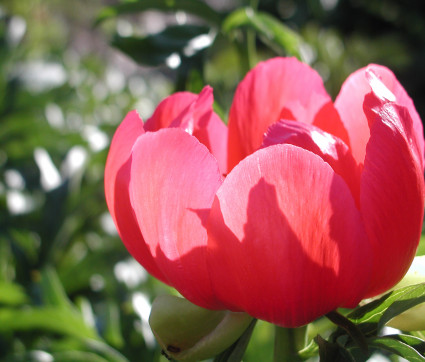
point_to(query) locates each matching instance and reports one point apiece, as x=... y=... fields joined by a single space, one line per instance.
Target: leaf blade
x=397 y=347
x=273 y=32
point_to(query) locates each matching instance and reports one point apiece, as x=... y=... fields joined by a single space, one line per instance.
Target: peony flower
x=313 y=205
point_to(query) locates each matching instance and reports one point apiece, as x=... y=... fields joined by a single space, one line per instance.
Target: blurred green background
x=69 y=72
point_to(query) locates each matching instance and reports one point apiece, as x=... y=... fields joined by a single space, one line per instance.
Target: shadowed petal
x=288 y=238
x=117 y=179
x=173 y=182
x=330 y=148
x=392 y=191
x=275 y=89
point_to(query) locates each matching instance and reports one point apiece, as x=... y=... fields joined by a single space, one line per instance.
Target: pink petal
x=275 y=89
x=117 y=179
x=349 y=104
x=330 y=148
x=169 y=109
x=286 y=241
x=173 y=182
x=392 y=192
x=195 y=115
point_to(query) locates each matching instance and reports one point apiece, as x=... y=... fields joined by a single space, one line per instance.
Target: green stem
x=249 y=53
x=354 y=332
x=251 y=36
x=251 y=49
x=285 y=346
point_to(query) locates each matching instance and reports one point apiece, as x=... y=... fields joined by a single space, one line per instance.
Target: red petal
x=195 y=115
x=349 y=104
x=173 y=182
x=330 y=148
x=286 y=241
x=329 y=120
x=117 y=179
x=392 y=192
x=275 y=89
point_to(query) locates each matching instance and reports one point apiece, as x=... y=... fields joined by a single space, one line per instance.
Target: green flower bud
x=187 y=332
x=414 y=318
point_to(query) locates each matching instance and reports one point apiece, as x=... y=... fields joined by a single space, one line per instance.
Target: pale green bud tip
x=414 y=318
x=187 y=332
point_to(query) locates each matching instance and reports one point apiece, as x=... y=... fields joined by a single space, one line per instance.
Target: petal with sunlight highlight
x=117 y=180
x=349 y=104
x=392 y=192
x=173 y=182
x=293 y=238
x=280 y=88
x=193 y=113
x=169 y=109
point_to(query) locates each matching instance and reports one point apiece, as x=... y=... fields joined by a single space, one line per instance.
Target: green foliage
x=408 y=347
x=198 y=8
x=274 y=33
x=369 y=320
x=374 y=315
x=236 y=352
x=154 y=50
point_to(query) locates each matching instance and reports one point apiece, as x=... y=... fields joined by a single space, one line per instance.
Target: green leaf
x=399 y=346
x=105 y=350
x=410 y=298
x=53 y=292
x=415 y=342
x=330 y=352
x=352 y=329
x=236 y=351
x=153 y=50
x=274 y=33
x=113 y=333
x=78 y=356
x=12 y=294
x=51 y=319
x=377 y=313
x=310 y=350
x=27 y=242
x=194 y=7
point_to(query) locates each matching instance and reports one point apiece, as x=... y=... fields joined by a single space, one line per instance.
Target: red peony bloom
x=322 y=205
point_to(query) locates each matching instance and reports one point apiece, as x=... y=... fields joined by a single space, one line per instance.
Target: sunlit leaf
x=411 y=297
x=12 y=293
x=272 y=31
x=310 y=350
x=402 y=346
x=377 y=313
x=48 y=319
